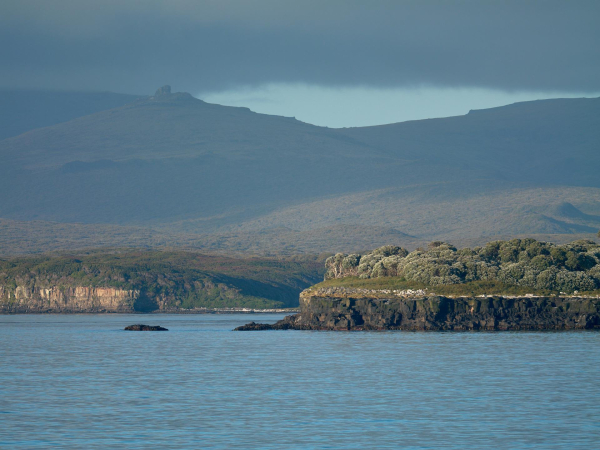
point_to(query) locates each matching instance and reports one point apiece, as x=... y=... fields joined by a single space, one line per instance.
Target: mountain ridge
x=178 y=164
x=23 y=110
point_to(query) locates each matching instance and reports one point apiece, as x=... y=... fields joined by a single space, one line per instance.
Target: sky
x=365 y=106
x=334 y=62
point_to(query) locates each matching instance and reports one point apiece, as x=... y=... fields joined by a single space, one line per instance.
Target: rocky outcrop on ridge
x=163 y=90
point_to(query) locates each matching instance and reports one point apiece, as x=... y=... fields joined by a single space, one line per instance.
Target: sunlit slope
x=444 y=212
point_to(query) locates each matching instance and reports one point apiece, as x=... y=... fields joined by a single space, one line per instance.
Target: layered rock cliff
x=363 y=309
x=25 y=299
x=145 y=281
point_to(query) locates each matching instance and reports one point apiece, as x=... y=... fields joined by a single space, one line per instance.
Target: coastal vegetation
x=517 y=267
x=175 y=279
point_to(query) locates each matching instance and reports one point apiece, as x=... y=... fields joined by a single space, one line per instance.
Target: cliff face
x=24 y=299
x=360 y=309
x=151 y=280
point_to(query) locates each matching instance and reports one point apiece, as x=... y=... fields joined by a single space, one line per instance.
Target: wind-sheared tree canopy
x=518 y=262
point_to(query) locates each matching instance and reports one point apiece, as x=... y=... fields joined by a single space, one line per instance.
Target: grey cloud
x=134 y=46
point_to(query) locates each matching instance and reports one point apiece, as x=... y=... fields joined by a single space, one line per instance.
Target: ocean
x=80 y=381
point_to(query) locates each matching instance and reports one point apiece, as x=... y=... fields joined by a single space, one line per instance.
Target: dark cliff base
x=440 y=314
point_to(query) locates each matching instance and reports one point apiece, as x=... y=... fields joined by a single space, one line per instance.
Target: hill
x=179 y=169
x=22 y=110
x=168 y=280
x=547 y=142
x=170 y=158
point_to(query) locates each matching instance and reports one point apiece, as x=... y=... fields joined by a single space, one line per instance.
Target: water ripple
x=81 y=382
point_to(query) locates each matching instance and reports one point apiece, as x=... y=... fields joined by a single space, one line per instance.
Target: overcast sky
x=295 y=51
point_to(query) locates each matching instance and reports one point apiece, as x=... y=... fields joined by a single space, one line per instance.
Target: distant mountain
x=22 y=110
x=177 y=166
x=547 y=142
x=173 y=157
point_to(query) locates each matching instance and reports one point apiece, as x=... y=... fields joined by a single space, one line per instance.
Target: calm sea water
x=79 y=381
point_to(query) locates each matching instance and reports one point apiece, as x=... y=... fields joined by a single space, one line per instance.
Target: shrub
x=518 y=262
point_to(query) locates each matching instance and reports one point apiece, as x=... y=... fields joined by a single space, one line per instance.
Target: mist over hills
x=179 y=171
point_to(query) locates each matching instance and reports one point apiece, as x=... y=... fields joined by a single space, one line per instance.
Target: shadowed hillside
x=22 y=110
x=174 y=157
x=547 y=142
x=177 y=169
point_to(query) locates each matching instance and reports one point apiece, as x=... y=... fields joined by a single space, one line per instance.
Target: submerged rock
x=140 y=327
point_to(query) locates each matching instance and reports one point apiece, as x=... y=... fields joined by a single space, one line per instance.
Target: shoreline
x=180 y=312
x=344 y=310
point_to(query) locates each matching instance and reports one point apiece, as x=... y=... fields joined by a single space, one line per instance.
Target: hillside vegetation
x=182 y=279
x=513 y=266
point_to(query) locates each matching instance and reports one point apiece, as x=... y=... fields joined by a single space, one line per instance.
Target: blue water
x=79 y=381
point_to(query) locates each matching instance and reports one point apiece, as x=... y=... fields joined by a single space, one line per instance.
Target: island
x=514 y=285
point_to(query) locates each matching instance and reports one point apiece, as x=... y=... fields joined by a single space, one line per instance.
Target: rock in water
x=285 y=324
x=253 y=326
x=141 y=327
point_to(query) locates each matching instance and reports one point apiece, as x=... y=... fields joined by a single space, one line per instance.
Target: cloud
x=135 y=46
x=359 y=106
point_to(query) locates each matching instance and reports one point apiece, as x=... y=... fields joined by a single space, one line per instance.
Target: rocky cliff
x=150 y=280
x=362 y=309
x=24 y=299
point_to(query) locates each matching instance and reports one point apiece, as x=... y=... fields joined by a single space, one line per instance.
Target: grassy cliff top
x=473 y=288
